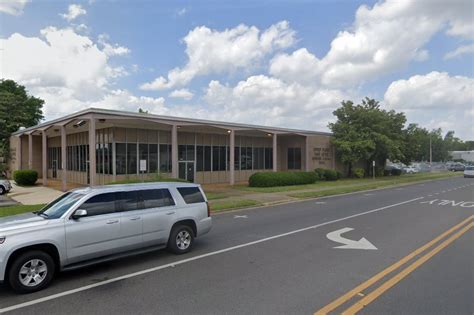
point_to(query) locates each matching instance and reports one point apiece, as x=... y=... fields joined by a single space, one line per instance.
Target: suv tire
x=181 y=239
x=2 y=190
x=31 y=271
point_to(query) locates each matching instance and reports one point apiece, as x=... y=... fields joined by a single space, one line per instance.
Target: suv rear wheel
x=31 y=271
x=2 y=190
x=181 y=239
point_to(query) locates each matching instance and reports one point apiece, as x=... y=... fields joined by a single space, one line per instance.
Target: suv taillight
x=208 y=209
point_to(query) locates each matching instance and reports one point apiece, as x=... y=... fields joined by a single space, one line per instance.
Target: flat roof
x=171 y=119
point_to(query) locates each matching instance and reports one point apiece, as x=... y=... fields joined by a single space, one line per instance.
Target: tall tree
x=17 y=109
x=365 y=132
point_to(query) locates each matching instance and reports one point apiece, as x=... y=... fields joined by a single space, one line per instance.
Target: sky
x=277 y=63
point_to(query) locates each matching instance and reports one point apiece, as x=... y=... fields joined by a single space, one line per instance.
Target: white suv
x=91 y=225
x=5 y=186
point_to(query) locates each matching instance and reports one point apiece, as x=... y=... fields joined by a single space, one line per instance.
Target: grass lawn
x=367 y=184
x=232 y=204
x=11 y=210
x=384 y=181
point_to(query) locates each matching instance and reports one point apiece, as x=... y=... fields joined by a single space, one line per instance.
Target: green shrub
x=320 y=173
x=25 y=177
x=273 y=179
x=396 y=172
x=339 y=175
x=387 y=172
x=330 y=174
x=359 y=172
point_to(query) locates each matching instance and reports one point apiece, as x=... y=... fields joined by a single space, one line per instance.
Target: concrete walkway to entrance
x=33 y=195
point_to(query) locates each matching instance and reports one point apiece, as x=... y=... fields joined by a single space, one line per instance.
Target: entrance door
x=55 y=169
x=186 y=170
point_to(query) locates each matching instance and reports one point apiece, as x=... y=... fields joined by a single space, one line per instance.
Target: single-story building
x=128 y=145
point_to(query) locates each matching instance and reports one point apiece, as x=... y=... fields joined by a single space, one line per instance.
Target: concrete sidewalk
x=33 y=195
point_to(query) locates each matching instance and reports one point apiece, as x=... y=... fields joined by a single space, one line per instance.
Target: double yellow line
x=458 y=230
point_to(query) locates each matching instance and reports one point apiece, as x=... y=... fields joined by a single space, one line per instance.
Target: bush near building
x=327 y=174
x=273 y=179
x=25 y=177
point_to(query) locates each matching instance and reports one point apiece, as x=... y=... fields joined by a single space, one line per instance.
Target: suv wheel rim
x=183 y=240
x=33 y=272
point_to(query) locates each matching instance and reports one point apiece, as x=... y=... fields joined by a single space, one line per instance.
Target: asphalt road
x=279 y=260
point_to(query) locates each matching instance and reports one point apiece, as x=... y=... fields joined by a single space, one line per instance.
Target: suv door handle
x=135 y=219
x=112 y=221
x=170 y=213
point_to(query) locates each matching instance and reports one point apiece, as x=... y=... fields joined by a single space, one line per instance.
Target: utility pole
x=431 y=152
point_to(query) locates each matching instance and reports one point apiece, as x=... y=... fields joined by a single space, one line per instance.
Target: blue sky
x=413 y=57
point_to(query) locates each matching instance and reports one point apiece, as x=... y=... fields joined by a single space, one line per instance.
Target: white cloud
x=111 y=49
x=435 y=100
x=185 y=94
x=13 y=7
x=68 y=70
x=382 y=39
x=74 y=11
x=461 y=50
x=182 y=12
x=215 y=52
x=265 y=100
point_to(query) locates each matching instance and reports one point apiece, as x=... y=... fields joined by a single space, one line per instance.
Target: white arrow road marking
x=240 y=217
x=320 y=202
x=363 y=243
x=368 y=194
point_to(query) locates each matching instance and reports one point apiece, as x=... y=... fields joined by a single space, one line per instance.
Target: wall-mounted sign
x=142 y=165
x=322 y=155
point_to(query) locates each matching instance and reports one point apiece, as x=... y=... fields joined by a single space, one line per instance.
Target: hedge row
x=273 y=179
x=25 y=177
x=327 y=174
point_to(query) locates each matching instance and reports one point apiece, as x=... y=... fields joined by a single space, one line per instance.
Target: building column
x=275 y=153
x=232 y=157
x=44 y=159
x=92 y=156
x=174 y=151
x=19 y=153
x=307 y=155
x=30 y=151
x=63 y=158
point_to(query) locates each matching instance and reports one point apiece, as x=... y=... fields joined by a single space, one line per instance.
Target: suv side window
x=191 y=194
x=128 y=201
x=154 y=198
x=99 y=204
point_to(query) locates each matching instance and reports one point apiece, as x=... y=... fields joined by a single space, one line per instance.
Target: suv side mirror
x=79 y=213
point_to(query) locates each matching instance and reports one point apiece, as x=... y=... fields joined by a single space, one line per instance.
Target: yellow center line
x=349 y=295
x=405 y=272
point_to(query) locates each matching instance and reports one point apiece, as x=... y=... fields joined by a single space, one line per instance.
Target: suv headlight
x=2 y=239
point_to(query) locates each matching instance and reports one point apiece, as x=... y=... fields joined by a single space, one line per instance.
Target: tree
x=367 y=133
x=142 y=111
x=17 y=109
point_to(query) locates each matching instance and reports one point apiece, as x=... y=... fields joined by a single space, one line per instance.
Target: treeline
x=365 y=132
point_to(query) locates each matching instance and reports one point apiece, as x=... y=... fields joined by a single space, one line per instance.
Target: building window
x=268 y=158
x=143 y=154
x=153 y=158
x=245 y=158
x=165 y=158
x=131 y=158
x=294 y=158
x=258 y=158
x=121 y=158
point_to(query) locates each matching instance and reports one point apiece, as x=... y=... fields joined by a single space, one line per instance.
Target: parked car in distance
x=468 y=171
x=410 y=170
x=5 y=186
x=455 y=167
x=96 y=224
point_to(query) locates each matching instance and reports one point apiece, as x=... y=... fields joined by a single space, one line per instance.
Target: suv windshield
x=58 y=207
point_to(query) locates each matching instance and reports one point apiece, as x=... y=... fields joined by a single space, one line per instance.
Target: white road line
x=183 y=261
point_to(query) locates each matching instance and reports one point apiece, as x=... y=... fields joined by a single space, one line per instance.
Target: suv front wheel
x=31 y=271
x=181 y=239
